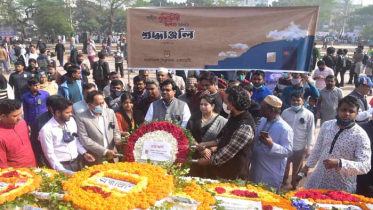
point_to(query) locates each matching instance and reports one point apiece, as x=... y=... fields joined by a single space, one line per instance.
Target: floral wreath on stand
x=17 y=182
x=179 y=139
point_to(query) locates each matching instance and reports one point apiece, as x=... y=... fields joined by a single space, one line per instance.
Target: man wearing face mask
x=32 y=69
x=302 y=84
x=320 y=73
x=342 y=151
x=84 y=69
x=302 y=122
x=169 y=107
x=241 y=76
x=363 y=85
x=260 y=90
x=328 y=101
x=283 y=82
x=72 y=88
x=116 y=90
x=58 y=139
x=191 y=90
x=98 y=128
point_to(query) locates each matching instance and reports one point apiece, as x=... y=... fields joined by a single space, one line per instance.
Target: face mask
x=50 y=71
x=296 y=108
x=79 y=62
x=284 y=75
x=321 y=69
x=257 y=87
x=295 y=81
x=343 y=123
x=241 y=77
x=98 y=110
x=225 y=108
x=116 y=94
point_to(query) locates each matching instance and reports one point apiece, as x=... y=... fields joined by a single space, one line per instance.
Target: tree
x=112 y=6
x=52 y=18
x=326 y=7
x=87 y=16
x=361 y=17
x=18 y=13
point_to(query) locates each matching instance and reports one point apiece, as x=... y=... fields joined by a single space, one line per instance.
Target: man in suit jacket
x=98 y=128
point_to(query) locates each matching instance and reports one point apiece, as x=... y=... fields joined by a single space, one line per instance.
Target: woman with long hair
x=205 y=126
x=128 y=117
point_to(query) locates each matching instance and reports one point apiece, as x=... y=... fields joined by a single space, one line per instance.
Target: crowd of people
x=245 y=131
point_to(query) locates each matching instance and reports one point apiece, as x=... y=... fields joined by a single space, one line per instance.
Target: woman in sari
x=205 y=126
x=51 y=87
x=128 y=117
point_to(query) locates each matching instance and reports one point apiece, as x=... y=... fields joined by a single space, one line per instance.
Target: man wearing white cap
x=273 y=143
x=162 y=75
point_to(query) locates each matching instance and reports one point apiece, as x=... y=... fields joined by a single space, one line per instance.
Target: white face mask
x=225 y=108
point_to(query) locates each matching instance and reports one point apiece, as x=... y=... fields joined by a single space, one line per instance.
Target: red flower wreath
x=183 y=142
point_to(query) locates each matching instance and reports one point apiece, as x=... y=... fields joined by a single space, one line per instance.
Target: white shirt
x=304 y=130
x=320 y=83
x=101 y=124
x=54 y=148
x=32 y=55
x=186 y=115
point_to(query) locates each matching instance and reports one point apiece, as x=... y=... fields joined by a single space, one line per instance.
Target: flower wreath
x=159 y=132
x=18 y=182
x=249 y=192
x=197 y=193
x=330 y=197
x=152 y=184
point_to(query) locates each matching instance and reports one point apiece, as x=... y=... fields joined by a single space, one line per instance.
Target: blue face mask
x=241 y=77
x=296 y=108
x=284 y=75
x=98 y=110
x=257 y=88
x=344 y=123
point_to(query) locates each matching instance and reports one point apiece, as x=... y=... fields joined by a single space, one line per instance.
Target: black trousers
x=353 y=74
x=119 y=67
x=72 y=165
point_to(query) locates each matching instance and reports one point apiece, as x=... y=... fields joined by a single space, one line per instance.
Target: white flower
x=156 y=136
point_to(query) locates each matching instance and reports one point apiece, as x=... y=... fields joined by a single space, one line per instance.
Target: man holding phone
x=273 y=144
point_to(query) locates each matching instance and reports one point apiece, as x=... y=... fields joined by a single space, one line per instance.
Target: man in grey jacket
x=169 y=107
x=98 y=128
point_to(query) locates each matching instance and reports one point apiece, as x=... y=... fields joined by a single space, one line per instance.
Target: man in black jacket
x=84 y=69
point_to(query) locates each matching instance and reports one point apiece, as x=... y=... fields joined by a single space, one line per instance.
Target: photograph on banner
x=222 y=38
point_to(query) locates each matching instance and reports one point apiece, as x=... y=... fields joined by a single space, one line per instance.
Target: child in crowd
x=312 y=107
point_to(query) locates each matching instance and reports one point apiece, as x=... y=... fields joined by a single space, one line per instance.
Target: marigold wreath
x=19 y=182
x=151 y=185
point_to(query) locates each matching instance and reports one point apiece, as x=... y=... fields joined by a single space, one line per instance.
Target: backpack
x=98 y=72
x=43 y=62
x=348 y=64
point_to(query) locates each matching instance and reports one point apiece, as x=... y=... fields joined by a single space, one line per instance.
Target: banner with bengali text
x=221 y=38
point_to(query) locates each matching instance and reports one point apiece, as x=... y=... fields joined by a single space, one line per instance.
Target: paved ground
x=129 y=76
